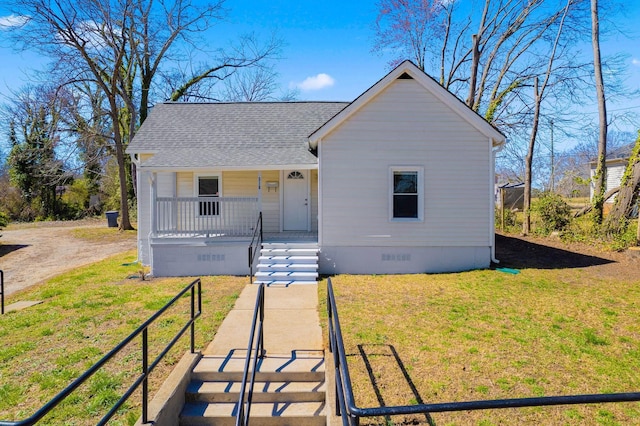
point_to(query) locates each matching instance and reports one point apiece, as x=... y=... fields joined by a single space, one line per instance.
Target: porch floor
x=269 y=237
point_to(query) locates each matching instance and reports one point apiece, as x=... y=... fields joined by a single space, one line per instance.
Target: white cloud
x=316 y=82
x=11 y=21
x=635 y=62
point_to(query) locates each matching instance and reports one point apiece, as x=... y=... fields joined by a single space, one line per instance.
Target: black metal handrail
x=146 y=367
x=244 y=401
x=1 y=292
x=350 y=413
x=257 y=238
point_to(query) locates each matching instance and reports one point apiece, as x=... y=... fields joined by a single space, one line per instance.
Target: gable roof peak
x=411 y=70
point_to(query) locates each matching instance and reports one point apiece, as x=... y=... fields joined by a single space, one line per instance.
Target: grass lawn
x=490 y=335
x=84 y=314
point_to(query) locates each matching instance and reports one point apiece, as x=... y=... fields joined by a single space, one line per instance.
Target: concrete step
x=290 y=251
x=267 y=266
x=226 y=391
x=284 y=282
x=291 y=245
x=307 y=367
x=286 y=274
x=263 y=414
x=288 y=259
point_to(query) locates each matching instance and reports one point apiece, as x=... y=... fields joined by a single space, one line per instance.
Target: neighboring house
x=615 y=165
x=398 y=181
x=511 y=194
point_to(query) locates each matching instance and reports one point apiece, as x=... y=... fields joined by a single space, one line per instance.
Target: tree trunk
x=526 y=222
x=598 y=202
x=475 y=60
x=628 y=194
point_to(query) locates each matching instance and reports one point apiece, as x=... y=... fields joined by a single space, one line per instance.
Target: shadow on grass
x=369 y=351
x=517 y=253
x=9 y=248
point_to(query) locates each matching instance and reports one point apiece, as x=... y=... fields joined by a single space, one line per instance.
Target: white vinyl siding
x=613 y=177
x=405 y=125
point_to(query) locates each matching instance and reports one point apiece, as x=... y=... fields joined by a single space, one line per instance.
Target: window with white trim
x=209 y=186
x=406 y=200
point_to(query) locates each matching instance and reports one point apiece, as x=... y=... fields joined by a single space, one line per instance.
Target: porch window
x=406 y=193
x=209 y=186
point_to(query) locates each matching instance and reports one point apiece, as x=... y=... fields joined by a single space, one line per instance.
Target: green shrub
x=511 y=223
x=4 y=220
x=553 y=212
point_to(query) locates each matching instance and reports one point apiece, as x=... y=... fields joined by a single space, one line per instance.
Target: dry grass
x=490 y=335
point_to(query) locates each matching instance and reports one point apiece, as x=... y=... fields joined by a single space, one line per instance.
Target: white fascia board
x=233 y=168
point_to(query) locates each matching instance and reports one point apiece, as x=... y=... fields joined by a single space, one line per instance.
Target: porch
x=215 y=218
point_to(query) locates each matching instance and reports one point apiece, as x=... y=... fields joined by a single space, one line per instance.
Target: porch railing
x=255 y=352
x=255 y=245
x=205 y=216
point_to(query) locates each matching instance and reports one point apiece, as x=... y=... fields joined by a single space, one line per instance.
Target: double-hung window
x=209 y=187
x=406 y=201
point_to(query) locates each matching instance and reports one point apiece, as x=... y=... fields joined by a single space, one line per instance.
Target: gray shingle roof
x=231 y=134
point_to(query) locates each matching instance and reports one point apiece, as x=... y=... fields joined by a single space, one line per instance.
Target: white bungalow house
x=398 y=181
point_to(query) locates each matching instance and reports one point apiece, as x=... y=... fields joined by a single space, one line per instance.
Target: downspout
x=492 y=173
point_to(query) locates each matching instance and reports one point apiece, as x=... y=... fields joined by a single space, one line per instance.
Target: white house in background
x=615 y=164
x=400 y=180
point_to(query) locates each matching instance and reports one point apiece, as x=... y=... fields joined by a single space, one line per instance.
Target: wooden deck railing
x=205 y=216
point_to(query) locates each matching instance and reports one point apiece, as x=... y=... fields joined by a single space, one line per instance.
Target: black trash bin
x=112 y=219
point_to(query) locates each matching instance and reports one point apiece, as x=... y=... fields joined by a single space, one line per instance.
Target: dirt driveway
x=31 y=253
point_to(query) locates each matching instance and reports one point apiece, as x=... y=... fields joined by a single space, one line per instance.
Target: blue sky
x=328 y=46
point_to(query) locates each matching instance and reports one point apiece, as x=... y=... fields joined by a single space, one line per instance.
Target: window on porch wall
x=208 y=186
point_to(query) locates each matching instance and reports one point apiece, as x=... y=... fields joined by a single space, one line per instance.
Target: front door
x=296 y=200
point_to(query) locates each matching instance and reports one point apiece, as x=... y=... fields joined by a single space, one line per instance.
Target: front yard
x=84 y=314
x=566 y=325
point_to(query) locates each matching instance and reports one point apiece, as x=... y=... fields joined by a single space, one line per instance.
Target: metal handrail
x=1 y=292
x=257 y=234
x=244 y=401
x=146 y=367
x=350 y=413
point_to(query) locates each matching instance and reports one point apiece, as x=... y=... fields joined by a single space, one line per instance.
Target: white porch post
x=154 y=207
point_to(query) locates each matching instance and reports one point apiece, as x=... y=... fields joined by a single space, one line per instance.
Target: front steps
x=287 y=263
x=289 y=390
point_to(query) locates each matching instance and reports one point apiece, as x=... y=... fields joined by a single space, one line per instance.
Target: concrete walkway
x=291 y=322
x=293 y=343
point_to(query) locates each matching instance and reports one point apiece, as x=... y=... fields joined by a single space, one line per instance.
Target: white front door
x=296 y=200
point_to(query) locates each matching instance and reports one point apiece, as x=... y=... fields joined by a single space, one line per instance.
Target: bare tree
x=539 y=92
x=489 y=68
x=600 y=179
x=120 y=46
